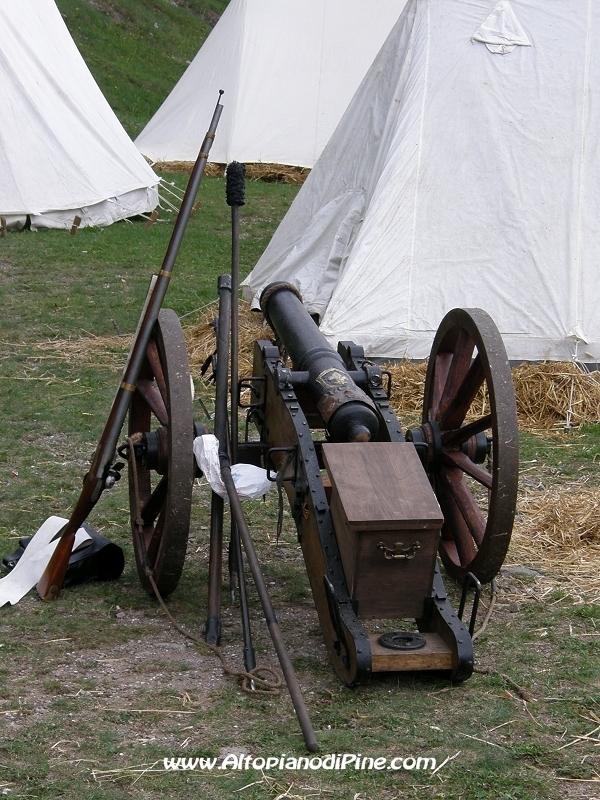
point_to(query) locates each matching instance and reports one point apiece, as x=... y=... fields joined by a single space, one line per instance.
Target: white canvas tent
x=62 y=150
x=464 y=173
x=289 y=69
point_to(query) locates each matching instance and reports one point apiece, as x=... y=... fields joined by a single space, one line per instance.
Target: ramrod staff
x=100 y=474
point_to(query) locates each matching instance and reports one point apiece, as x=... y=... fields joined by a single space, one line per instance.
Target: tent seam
x=418 y=172
x=584 y=117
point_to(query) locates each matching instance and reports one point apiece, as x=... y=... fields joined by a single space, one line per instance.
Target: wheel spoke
x=440 y=376
x=467 y=504
x=155 y=539
x=457 y=409
x=460 y=435
x=478 y=506
x=461 y=535
x=164 y=480
x=456 y=458
x=461 y=360
x=157 y=368
x=153 y=505
x=153 y=398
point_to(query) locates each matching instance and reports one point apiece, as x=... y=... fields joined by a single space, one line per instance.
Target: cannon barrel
x=349 y=414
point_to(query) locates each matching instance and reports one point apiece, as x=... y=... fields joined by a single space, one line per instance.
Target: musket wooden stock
x=50 y=583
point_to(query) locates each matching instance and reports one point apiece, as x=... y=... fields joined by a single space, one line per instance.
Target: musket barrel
x=347 y=411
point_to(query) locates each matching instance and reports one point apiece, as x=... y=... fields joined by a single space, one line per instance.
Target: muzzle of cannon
x=349 y=414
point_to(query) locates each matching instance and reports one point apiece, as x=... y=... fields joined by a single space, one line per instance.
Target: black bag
x=97 y=559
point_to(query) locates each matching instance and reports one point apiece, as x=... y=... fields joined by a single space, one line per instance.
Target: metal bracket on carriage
x=249 y=384
x=286 y=378
x=369 y=376
x=336 y=621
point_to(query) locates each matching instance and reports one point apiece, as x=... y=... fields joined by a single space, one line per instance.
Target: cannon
x=373 y=505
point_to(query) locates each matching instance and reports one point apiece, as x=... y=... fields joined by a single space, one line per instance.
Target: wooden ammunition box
x=387 y=523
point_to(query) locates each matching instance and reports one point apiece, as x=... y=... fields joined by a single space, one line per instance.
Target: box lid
x=381 y=486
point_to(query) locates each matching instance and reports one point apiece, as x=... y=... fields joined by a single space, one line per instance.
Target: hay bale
x=558 y=530
x=408 y=386
x=549 y=395
x=556 y=393
x=545 y=392
x=201 y=340
x=408 y=380
x=271 y=173
x=186 y=167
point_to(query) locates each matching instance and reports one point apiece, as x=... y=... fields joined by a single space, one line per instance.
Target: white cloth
x=250 y=481
x=501 y=32
x=30 y=567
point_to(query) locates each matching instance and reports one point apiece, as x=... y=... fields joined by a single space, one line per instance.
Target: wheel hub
x=155 y=450
x=428 y=442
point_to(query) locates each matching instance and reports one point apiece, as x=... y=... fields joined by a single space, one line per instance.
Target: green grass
x=138 y=49
x=88 y=680
x=95 y=282
x=574 y=456
x=56 y=286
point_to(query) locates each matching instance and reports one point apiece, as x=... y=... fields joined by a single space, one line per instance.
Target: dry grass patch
x=201 y=339
x=109 y=351
x=556 y=392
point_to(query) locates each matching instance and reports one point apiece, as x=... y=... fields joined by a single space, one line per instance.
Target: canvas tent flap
x=480 y=183
x=501 y=31
x=288 y=69
x=62 y=148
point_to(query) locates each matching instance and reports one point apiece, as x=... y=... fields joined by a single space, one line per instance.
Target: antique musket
x=102 y=473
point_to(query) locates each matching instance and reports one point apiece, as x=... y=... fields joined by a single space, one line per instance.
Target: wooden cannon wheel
x=465 y=430
x=161 y=468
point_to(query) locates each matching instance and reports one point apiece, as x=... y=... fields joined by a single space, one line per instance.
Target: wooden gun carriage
x=372 y=503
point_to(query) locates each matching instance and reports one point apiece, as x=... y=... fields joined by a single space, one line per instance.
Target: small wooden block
x=3 y=227
x=382 y=504
x=75 y=225
x=152 y=220
x=434 y=655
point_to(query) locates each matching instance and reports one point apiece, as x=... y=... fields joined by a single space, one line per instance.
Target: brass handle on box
x=399 y=550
